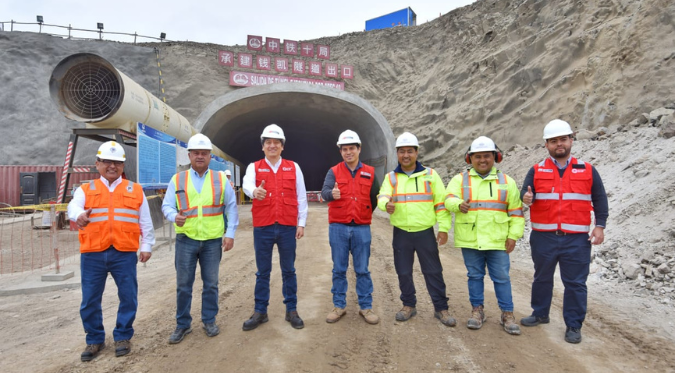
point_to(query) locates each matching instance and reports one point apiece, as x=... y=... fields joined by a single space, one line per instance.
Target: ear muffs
x=498 y=155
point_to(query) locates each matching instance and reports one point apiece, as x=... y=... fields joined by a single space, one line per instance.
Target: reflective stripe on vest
x=426 y=196
x=500 y=205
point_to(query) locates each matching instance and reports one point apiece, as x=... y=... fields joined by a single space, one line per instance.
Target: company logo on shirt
x=366 y=173
x=130 y=188
x=545 y=170
x=576 y=170
x=263 y=170
x=287 y=168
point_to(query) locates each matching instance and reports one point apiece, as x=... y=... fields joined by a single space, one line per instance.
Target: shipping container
x=403 y=17
x=10 y=180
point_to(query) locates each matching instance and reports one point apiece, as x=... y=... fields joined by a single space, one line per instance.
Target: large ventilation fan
x=91 y=90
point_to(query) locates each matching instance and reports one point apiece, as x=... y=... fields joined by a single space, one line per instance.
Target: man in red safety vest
x=562 y=192
x=351 y=193
x=276 y=187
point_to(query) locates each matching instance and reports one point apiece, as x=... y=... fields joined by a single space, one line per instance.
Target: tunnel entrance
x=312 y=118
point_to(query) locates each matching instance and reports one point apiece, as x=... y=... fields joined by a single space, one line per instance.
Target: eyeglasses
x=108 y=162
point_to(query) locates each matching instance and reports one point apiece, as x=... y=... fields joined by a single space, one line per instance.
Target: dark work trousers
x=573 y=252
x=424 y=243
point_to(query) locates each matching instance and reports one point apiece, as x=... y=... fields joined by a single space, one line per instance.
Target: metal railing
x=10 y=26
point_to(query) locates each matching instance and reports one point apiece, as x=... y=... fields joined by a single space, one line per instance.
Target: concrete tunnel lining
x=312 y=118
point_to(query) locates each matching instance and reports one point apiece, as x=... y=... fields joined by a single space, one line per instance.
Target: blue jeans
x=573 y=252
x=498 y=264
x=188 y=252
x=405 y=245
x=344 y=239
x=264 y=239
x=94 y=269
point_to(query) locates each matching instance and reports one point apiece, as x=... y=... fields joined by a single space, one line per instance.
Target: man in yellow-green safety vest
x=199 y=201
x=413 y=196
x=488 y=222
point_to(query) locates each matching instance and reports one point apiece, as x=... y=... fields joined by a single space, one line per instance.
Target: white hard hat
x=557 y=128
x=199 y=142
x=348 y=137
x=407 y=139
x=273 y=132
x=228 y=173
x=482 y=144
x=111 y=151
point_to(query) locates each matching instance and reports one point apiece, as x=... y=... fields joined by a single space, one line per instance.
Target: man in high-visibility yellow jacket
x=488 y=222
x=413 y=196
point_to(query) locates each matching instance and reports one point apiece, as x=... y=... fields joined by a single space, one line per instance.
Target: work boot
x=91 y=351
x=477 y=318
x=256 y=319
x=445 y=318
x=122 y=347
x=573 y=335
x=179 y=334
x=369 y=316
x=533 y=320
x=335 y=315
x=211 y=329
x=509 y=323
x=295 y=319
x=406 y=313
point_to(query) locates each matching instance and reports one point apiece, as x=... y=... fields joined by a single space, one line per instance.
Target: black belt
x=561 y=233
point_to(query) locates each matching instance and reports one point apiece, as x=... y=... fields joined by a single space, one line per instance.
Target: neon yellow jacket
x=204 y=211
x=496 y=212
x=418 y=199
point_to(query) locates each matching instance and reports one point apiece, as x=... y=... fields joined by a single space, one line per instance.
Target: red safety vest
x=281 y=203
x=562 y=203
x=114 y=218
x=354 y=203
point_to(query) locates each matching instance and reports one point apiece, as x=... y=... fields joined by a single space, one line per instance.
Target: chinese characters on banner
x=286 y=64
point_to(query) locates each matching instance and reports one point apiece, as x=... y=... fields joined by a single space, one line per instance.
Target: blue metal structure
x=403 y=17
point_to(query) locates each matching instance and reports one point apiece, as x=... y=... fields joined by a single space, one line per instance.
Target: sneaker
x=509 y=323
x=533 y=320
x=406 y=313
x=573 y=335
x=445 y=318
x=369 y=316
x=122 y=347
x=477 y=318
x=335 y=315
x=295 y=319
x=256 y=319
x=91 y=351
x=211 y=329
x=179 y=334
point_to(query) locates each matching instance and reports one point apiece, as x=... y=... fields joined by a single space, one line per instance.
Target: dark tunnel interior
x=312 y=124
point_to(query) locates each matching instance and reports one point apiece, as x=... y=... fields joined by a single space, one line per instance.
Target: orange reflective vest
x=562 y=203
x=281 y=203
x=354 y=202
x=114 y=219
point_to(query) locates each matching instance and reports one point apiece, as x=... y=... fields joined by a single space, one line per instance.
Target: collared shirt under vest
x=114 y=219
x=354 y=203
x=562 y=203
x=204 y=211
x=280 y=205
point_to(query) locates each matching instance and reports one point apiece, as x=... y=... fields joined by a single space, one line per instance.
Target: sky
x=207 y=21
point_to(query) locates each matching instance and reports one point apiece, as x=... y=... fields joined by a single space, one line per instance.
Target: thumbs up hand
x=180 y=218
x=528 y=196
x=336 y=191
x=83 y=219
x=260 y=192
x=464 y=206
x=391 y=207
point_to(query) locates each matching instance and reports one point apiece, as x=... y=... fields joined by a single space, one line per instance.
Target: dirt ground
x=43 y=332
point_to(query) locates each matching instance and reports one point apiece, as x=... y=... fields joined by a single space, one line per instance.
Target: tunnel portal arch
x=312 y=118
